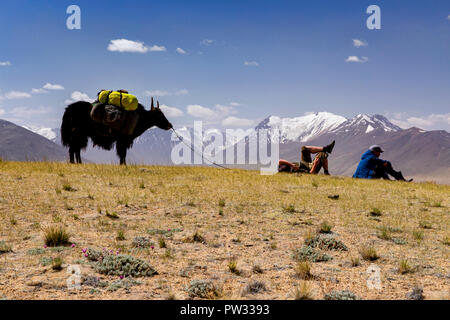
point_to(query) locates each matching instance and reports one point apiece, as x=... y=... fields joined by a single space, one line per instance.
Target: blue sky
x=239 y=62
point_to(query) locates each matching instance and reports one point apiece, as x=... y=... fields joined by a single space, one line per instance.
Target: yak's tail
x=74 y=123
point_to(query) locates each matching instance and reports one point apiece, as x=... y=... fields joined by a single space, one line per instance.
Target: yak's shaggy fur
x=77 y=126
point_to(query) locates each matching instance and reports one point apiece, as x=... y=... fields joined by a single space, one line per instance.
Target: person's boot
x=326 y=172
x=399 y=176
x=329 y=148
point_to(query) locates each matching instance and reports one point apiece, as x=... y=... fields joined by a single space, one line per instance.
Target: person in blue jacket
x=372 y=167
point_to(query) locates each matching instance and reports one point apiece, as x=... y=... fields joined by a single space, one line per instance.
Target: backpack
x=114 y=117
x=119 y=99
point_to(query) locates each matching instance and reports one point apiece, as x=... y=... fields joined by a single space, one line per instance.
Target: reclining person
x=372 y=167
x=307 y=165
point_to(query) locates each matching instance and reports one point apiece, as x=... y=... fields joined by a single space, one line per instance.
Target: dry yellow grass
x=238 y=214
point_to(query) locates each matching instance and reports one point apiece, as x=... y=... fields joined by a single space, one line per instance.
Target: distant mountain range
x=418 y=153
x=20 y=144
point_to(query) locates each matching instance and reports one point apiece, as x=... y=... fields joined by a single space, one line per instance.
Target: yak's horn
x=157 y=104
x=152 y=106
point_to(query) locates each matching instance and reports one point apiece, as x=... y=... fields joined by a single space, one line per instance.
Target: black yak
x=77 y=126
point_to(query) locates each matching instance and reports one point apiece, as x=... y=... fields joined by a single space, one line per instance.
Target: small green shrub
x=368 y=253
x=289 y=208
x=45 y=261
x=125 y=283
x=303 y=292
x=416 y=293
x=325 y=227
x=325 y=243
x=67 y=187
x=120 y=235
x=340 y=295
x=94 y=282
x=205 y=289
x=232 y=266
x=399 y=241
x=222 y=203
x=446 y=240
x=384 y=233
x=255 y=287
x=162 y=242
x=13 y=221
x=36 y=251
x=375 y=212
x=4 y=248
x=309 y=254
x=404 y=267
x=257 y=269
x=355 y=261
x=418 y=235
x=303 y=270
x=142 y=242
x=56 y=236
x=124 y=265
x=57 y=263
x=196 y=237
x=94 y=255
x=112 y=215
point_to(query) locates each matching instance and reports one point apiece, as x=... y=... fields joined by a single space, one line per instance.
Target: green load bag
x=118 y=99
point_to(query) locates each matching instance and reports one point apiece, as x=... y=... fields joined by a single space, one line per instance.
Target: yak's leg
x=121 y=150
x=78 y=156
x=72 y=155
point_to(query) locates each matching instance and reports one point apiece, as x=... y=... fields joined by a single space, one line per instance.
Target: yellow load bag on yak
x=118 y=99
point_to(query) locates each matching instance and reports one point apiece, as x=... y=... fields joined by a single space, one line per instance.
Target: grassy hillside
x=241 y=232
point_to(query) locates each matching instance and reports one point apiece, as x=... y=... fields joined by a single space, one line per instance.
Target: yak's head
x=158 y=118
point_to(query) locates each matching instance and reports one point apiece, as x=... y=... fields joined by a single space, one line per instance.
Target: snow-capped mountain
x=48 y=133
x=303 y=128
x=363 y=124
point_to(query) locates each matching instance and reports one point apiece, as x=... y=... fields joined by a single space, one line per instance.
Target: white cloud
x=218 y=113
x=171 y=111
x=181 y=92
x=237 y=122
x=251 y=63
x=27 y=113
x=201 y=112
x=2 y=112
x=359 y=43
x=235 y=104
x=5 y=63
x=50 y=86
x=428 y=122
x=15 y=95
x=78 y=96
x=125 y=45
x=157 y=48
x=37 y=91
x=357 y=59
x=156 y=93
x=180 y=51
x=206 y=42
x=225 y=110
x=448 y=18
